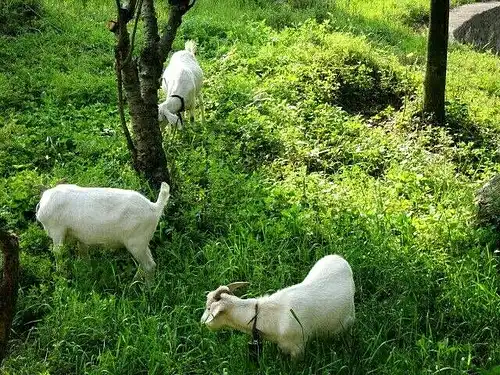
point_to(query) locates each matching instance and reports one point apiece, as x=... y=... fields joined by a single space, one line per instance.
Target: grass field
x=310 y=147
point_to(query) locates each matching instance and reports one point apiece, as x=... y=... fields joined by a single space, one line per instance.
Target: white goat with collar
x=323 y=303
x=181 y=81
x=103 y=216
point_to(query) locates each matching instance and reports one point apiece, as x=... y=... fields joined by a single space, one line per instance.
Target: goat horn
x=219 y=291
x=236 y=285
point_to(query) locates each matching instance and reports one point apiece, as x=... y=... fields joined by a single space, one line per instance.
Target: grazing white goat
x=323 y=304
x=181 y=81
x=103 y=216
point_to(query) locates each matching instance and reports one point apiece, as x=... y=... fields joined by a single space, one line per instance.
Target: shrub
x=416 y=16
x=355 y=83
x=313 y=64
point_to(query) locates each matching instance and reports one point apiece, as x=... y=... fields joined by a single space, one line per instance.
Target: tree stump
x=8 y=286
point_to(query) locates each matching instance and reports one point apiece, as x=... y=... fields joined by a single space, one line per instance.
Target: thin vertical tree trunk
x=8 y=287
x=437 y=52
x=150 y=154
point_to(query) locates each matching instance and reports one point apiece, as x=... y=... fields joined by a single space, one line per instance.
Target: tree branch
x=177 y=9
x=123 y=49
x=121 y=111
x=129 y=56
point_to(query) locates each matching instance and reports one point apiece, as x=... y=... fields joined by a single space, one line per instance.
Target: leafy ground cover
x=310 y=147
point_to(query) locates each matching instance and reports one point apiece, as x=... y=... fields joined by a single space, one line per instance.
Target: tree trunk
x=148 y=154
x=141 y=81
x=437 y=51
x=8 y=287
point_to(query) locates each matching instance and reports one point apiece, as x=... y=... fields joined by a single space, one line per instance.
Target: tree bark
x=437 y=52
x=144 y=108
x=8 y=287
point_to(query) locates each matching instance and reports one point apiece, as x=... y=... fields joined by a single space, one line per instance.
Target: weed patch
x=309 y=148
x=17 y=17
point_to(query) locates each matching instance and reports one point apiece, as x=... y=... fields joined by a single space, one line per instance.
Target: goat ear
x=215 y=309
x=236 y=285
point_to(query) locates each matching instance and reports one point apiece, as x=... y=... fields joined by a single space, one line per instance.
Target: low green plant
x=416 y=17
x=310 y=147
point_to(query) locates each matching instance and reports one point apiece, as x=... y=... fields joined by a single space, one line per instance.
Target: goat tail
x=190 y=46
x=163 y=196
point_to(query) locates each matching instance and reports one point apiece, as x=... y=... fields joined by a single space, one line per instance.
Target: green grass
x=310 y=148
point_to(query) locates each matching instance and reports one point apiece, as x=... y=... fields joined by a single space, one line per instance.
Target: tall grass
x=309 y=148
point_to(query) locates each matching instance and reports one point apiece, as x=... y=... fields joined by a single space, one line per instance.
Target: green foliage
x=416 y=16
x=18 y=16
x=310 y=147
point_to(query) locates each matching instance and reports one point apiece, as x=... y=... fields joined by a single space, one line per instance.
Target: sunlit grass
x=284 y=171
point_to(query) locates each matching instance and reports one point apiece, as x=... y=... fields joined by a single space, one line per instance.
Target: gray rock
x=488 y=202
x=477 y=24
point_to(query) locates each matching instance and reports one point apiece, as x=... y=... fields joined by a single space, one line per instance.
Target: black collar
x=182 y=101
x=179 y=114
x=255 y=345
x=255 y=331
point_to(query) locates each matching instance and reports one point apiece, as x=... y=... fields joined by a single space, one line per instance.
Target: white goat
x=181 y=81
x=103 y=216
x=323 y=304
